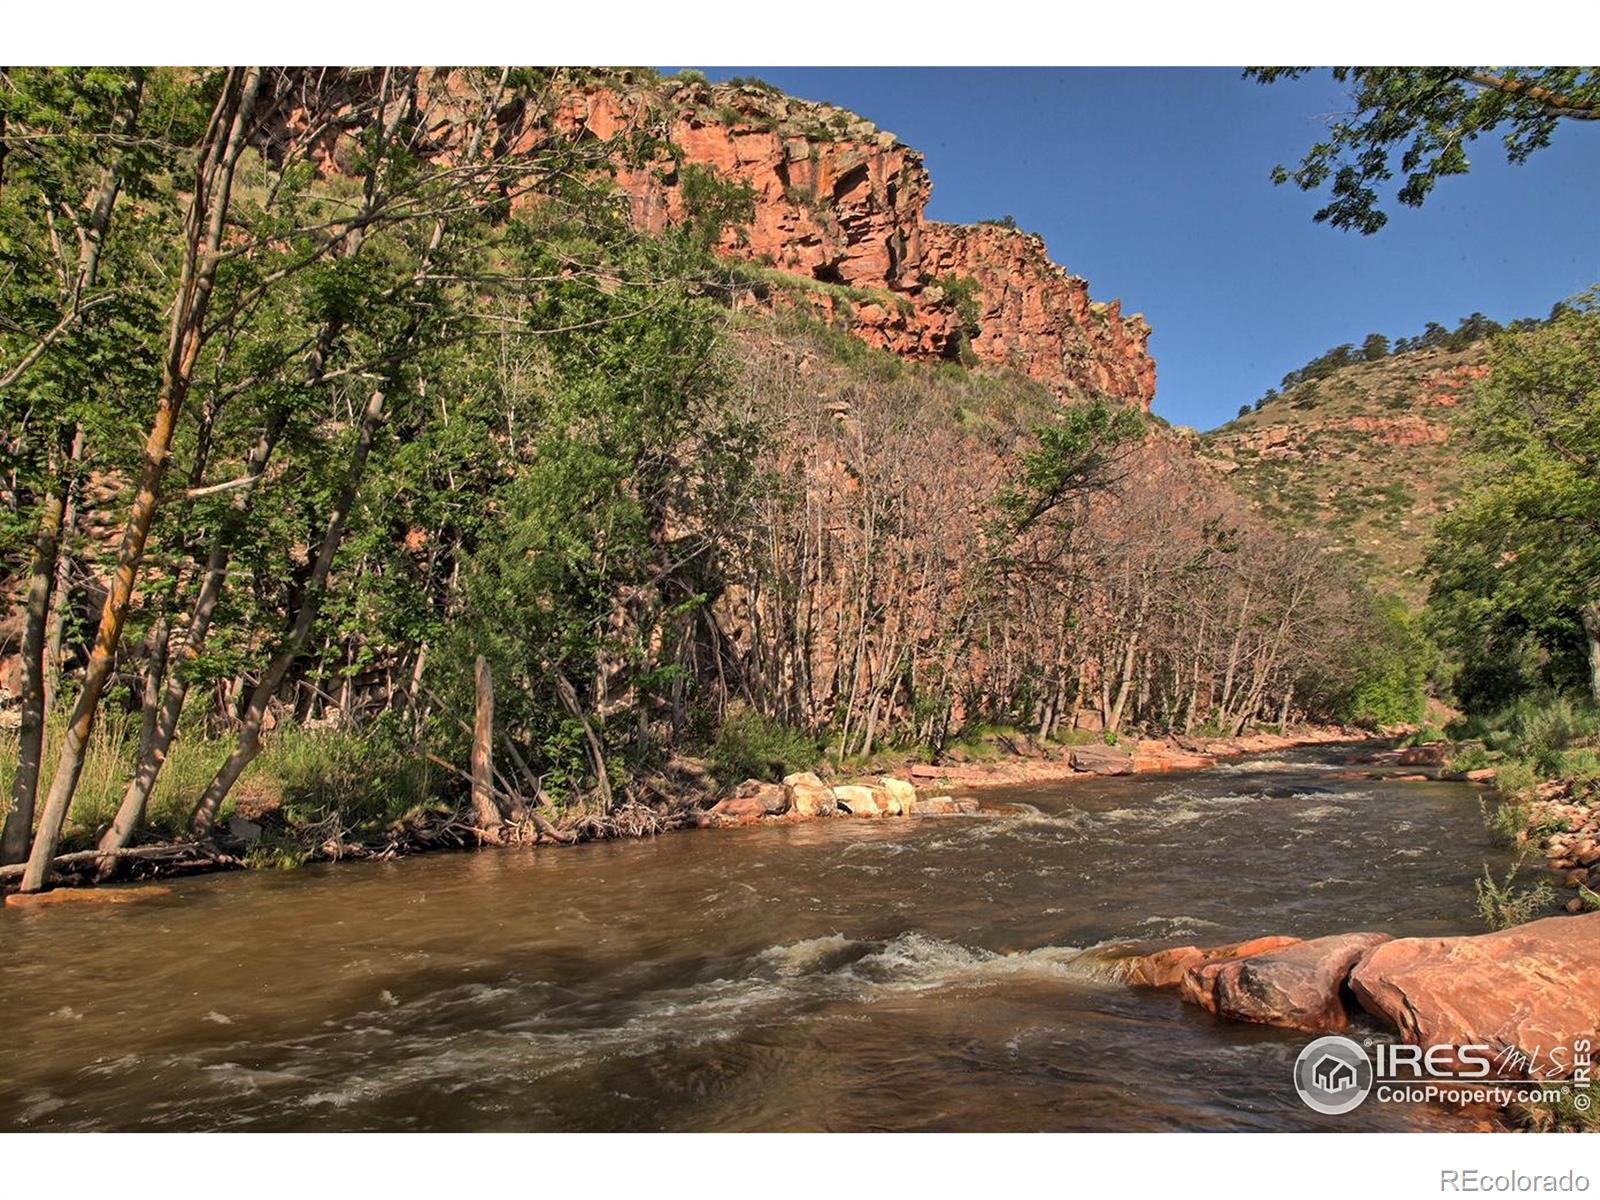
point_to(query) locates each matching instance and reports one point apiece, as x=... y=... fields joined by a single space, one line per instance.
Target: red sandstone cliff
x=839 y=205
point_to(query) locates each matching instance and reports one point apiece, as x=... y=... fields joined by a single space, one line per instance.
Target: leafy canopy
x=1515 y=565
x=1428 y=116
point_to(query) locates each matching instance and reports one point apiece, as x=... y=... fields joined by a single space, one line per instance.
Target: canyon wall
x=838 y=225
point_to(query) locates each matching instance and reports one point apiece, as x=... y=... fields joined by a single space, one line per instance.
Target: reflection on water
x=833 y=975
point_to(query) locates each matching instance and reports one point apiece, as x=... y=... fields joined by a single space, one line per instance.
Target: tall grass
x=1541 y=729
x=305 y=775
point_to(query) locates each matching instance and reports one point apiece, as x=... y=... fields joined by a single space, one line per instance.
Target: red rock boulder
x=941 y=806
x=808 y=796
x=1102 y=760
x=1296 y=987
x=1166 y=968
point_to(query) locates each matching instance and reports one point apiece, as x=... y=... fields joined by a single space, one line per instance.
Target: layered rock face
x=838 y=227
x=1037 y=318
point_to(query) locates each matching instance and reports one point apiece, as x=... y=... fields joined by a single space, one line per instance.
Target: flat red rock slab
x=1530 y=988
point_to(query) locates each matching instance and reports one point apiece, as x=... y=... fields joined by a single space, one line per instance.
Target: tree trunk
x=219 y=155
x=30 y=737
x=130 y=813
x=597 y=753
x=1590 y=612
x=61 y=593
x=484 y=809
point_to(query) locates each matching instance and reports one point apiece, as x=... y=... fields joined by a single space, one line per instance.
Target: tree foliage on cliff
x=1422 y=119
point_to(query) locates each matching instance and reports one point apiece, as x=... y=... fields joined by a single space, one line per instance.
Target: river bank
x=687 y=798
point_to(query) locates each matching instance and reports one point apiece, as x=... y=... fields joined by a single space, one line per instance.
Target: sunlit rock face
x=838 y=226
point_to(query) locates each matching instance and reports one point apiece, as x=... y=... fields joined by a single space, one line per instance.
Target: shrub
x=1515 y=778
x=752 y=746
x=1502 y=904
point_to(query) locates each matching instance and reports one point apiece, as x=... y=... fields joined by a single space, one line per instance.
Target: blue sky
x=1153 y=185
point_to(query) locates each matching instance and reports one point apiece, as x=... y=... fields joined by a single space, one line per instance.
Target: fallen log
x=202 y=852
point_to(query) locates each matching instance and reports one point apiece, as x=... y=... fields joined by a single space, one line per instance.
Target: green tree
x=1518 y=561
x=1390 y=661
x=1427 y=116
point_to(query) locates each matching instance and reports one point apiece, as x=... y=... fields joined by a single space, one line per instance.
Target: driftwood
x=484 y=807
x=186 y=853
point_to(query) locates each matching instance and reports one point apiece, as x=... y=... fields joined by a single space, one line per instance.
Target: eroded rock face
x=1523 y=991
x=840 y=203
x=837 y=221
x=1036 y=317
x=1166 y=968
x=1296 y=987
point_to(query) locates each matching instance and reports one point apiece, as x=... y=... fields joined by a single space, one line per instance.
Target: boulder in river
x=1102 y=760
x=858 y=800
x=772 y=797
x=941 y=806
x=897 y=797
x=1530 y=989
x=1166 y=968
x=1295 y=987
x=808 y=796
x=737 y=810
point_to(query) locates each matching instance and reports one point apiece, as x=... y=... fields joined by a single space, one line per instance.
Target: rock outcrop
x=837 y=225
x=1295 y=987
x=1167 y=968
x=1530 y=991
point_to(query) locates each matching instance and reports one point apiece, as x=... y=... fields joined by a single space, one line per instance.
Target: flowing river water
x=834 y=975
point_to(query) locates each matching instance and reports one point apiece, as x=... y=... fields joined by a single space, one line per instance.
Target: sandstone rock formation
x=838 y=226
x=1167 y=968
x=1525 y=991
x=1102 y=760
x=808 y=796
x=1295 y=987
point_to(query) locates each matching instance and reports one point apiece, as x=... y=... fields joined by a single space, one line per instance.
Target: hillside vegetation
x=1369 y=454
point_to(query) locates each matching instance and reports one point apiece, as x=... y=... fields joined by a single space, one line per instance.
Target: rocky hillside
x=1369 y=455
x=839 y=226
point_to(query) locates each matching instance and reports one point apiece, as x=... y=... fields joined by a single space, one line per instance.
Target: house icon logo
x=1333 y=1075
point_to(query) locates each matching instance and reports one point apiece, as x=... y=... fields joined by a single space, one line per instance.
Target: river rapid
x=922 y=974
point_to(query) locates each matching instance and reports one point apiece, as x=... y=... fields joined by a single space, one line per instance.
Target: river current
x=925 y=974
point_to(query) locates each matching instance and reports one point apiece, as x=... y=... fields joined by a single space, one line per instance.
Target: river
x=835 y=975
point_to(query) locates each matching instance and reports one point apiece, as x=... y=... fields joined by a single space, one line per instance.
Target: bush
x=1545 y=731
x=752 y=746
x=1501 y=904
x=1515 y=778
